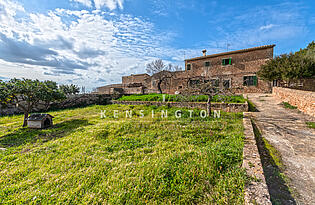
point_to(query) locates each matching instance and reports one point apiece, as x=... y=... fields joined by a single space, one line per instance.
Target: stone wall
x=82 y=100
x=304 y=100
x=9 y=110
x=71 y=102
x=139 y=78
x=245 y=62
x=108 y=89
x=226 y=107
x=307 y=84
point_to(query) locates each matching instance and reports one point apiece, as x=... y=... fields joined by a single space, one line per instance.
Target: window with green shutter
x=227 y=61
x=250 y=80
x=207 y=64
x=255 y=80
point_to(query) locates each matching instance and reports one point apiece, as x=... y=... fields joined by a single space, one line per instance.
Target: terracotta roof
x=232 y=52
x=38 y=117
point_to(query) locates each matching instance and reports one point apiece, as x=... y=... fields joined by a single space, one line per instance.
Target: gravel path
x=287 y=131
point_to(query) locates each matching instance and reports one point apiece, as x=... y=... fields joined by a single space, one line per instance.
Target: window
x=215 y=82
x=207 y=64
x=274 y=83
x=227 y=61
x=188 y=67
x=226 y=84
x=180 y=87
x=250 y=80
x=194 y=82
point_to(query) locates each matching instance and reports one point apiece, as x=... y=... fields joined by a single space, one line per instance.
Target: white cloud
x=93 y=48
x=87 y=3
x=81 y=47
x=266 y=27
x=261 y=25
x=110 y=4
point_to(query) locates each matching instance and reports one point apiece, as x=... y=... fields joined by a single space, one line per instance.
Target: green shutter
x=230 y=61
x=223 y=62
x=255 y=80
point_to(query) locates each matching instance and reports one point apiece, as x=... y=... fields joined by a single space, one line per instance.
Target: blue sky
x=94 y=42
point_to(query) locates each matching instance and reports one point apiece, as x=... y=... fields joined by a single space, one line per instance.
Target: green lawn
x=179 y=98
x=86 y=159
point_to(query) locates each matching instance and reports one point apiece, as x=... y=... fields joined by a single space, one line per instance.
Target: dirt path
x=287 y=131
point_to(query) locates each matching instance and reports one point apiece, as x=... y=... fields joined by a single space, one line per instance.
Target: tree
x=161 y=72
x=292 y=66
x=51 y=93
x=209 y=87
x=69 y=89
x=26 y=94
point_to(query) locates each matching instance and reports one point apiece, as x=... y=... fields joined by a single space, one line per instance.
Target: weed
x=288 y=106
x=311 y=124
x=251 y=106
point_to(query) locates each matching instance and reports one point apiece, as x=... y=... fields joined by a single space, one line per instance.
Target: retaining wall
x=303 y=100
x=73 y=101
x=256 y=191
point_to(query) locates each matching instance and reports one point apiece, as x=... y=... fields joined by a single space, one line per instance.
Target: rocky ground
x=291 y=181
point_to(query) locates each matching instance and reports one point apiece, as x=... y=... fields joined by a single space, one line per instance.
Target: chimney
x=204 y=52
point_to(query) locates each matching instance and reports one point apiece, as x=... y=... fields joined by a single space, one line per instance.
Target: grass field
x=179 y=98
x=87 y=159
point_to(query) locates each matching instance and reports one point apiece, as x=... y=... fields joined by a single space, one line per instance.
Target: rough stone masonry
x=238 y=69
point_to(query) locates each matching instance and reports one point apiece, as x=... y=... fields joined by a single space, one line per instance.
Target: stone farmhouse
x=236 y=69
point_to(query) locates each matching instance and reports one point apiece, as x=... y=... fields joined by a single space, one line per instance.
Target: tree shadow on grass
x=23 y=136
x=276 y=181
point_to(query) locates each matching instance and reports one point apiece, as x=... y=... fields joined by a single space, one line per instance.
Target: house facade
x=237 y=70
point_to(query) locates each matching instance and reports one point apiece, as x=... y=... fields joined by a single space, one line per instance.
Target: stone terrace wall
x=82 y=100
x=9 y=110
x=71 y=102
x=304 y=100
x=227 y=107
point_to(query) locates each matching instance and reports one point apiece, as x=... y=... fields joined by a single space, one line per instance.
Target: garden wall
x=303 y=100
x=82 y=100
x=73 y=101
x=227 y=107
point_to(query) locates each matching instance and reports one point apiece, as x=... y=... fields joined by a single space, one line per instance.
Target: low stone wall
x=73 y=101
x=9 y=110
x=226 y=107
x=82 y=100
x=256 y=191
x=303 y=100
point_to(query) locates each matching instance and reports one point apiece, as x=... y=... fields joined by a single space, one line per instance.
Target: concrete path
x=286 y=130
